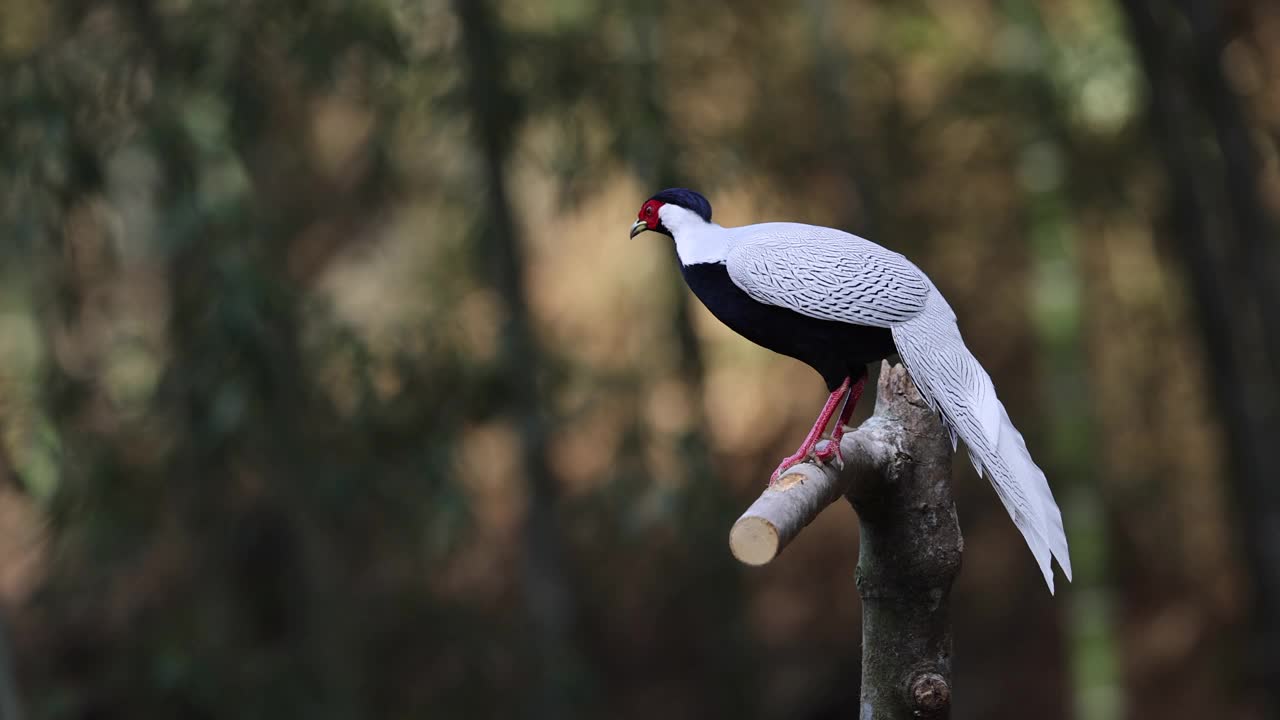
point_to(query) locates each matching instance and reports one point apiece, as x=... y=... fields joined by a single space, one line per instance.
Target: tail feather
x=954 y=382
x=1013 y=446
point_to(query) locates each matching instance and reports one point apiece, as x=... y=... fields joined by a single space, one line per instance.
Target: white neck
x=697 y=241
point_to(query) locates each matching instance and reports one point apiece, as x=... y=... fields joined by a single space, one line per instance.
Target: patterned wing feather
x=827 y=274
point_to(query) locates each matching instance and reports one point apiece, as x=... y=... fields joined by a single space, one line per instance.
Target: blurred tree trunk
x=1227 y=245
x=10 y=708
x=549 y=597
x=653 y=154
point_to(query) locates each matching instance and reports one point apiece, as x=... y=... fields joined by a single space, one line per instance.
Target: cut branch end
x=754 y=540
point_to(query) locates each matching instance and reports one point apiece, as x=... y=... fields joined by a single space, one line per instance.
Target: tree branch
x=897 y=475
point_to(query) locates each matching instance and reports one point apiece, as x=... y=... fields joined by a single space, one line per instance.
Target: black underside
x=835 y=349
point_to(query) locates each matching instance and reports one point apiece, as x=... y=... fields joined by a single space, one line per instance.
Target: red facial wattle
x=649 y=214
x=648 y=218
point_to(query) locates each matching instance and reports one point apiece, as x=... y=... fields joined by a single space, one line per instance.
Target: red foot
x=787 y=463
x=827 y=450
x=823 y=453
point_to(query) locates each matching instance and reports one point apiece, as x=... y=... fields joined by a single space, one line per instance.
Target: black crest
x=686 y=199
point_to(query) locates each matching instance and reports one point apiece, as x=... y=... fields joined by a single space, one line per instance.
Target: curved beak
x=638 y=228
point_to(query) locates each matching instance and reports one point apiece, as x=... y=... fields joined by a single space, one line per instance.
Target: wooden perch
x=897 y=475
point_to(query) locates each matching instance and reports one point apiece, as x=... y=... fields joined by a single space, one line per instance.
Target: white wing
x=826 y=274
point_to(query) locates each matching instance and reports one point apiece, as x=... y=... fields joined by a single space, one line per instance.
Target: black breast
x=835 y=349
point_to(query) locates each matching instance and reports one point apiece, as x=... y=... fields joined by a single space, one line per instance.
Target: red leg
x=824 y=417
x=827 y=451
x=855 y=394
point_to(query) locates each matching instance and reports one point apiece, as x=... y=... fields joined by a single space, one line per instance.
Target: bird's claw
x=828 y=452
x=787 y=464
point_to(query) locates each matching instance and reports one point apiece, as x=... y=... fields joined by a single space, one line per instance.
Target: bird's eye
x=648 y=210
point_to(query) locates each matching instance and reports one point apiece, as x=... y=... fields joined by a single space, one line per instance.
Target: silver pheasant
x=837 y=301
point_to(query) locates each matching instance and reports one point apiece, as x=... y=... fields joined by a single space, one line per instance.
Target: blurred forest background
x=331 y=387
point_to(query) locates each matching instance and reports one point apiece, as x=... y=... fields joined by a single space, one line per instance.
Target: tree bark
x=897 y=475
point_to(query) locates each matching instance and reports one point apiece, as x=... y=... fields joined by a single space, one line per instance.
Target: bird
x=837 y=302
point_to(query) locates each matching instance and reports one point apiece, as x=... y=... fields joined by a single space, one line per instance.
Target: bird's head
x=651 y=212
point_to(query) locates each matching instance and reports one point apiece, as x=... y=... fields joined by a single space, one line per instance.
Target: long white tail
x=953 y=381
